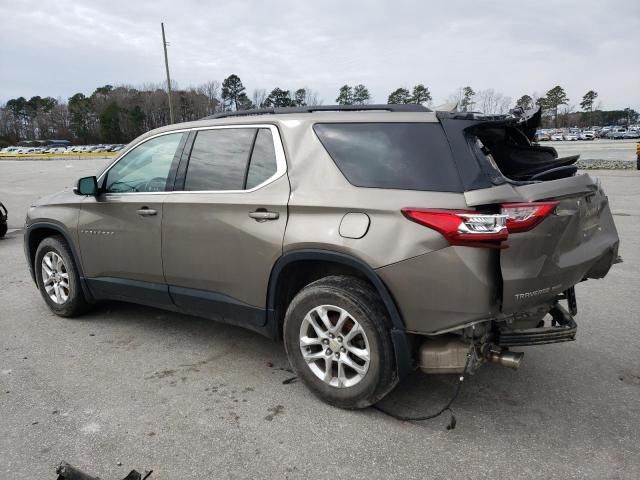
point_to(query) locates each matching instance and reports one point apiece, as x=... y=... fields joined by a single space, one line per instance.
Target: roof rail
x=412 y=107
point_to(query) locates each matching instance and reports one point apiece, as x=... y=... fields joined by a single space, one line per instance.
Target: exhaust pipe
x=505 y=358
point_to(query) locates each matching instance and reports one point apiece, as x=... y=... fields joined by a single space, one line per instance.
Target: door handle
x=146 y=212
x=262 y=215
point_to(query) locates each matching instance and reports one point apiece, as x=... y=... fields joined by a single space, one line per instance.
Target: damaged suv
x=372 y=239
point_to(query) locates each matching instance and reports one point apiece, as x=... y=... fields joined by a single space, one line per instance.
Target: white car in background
x=587 y=135
x=557 y=137
x=101 y=148
x=616 y=133
x=571 y=137
x=56 y=150
x=26 y=151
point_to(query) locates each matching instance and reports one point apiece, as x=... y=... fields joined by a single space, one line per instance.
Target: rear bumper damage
x=563 y=329
x=490 y=342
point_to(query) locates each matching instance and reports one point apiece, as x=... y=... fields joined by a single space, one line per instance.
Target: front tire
x=57 y=278
x=336 y=335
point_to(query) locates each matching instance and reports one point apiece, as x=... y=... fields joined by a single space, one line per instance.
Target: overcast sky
x=58 y=48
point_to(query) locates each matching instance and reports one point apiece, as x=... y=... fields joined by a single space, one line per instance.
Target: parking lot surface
x=599 y=149
x=134 y=387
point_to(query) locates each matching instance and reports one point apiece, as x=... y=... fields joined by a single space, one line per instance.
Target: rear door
x=223 y=226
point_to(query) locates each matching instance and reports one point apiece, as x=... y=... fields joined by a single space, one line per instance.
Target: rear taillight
x=462 y=227
x=522 y=217
x=472 y=229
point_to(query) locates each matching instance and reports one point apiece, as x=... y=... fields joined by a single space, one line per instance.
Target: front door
x=119 y=230
x=223 y=232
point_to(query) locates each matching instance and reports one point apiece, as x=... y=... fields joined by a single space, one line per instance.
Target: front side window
x=145 y=168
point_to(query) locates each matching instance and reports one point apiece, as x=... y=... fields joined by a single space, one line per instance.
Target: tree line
x=119 y=114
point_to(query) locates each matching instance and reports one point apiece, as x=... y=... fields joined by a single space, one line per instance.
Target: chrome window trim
x=125 y=152
x=281 y=162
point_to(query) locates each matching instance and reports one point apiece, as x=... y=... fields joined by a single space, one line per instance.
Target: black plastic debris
x=68 y=472
x=4 y=215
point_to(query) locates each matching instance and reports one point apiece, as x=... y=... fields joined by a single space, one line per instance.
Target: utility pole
x=166 y=64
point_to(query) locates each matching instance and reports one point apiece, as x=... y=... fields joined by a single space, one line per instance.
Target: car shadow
x=179 y=326
x=537 y=393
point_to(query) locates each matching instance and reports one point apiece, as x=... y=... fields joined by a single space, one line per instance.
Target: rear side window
x=263 y=159
x=406 y=156
x=219 y=159
x=231 y=159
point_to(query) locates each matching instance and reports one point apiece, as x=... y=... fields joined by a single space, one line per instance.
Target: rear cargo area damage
x=538 y=265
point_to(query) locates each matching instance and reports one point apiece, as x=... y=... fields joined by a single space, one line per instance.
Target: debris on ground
x=68 y=472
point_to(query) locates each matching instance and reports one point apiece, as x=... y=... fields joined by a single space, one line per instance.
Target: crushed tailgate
x=578 y=241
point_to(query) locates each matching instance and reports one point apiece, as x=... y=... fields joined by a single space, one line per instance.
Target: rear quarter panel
x=435 y=286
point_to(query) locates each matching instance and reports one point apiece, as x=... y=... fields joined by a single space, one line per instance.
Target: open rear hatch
x=572 y=238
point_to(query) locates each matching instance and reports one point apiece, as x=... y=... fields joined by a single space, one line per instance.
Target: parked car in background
x=587 y=135
x=631 y=134
x=542 y=137
x=616 y=133
x=572 y=137
x=56 y=150
x=101 y=148
x=26 y=151
x=557 y=137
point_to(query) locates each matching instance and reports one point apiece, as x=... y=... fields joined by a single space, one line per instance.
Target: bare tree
x=490 y=101
x=258 y=97
x=312 y=97
x=211 y=90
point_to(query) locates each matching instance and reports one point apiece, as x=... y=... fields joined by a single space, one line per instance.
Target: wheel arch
x=295 y=269
x=38 y=231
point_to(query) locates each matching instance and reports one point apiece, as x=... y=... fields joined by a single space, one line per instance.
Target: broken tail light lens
x=462 y=227
x=522 y=217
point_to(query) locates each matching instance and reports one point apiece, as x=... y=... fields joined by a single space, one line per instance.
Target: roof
x=323 y=108
x=290 y=117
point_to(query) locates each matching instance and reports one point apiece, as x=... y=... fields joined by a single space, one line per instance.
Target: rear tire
x=57 y=278
x=337 y=338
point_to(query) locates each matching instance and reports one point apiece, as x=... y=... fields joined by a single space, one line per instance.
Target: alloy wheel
x=55 y=277
x=334 y=346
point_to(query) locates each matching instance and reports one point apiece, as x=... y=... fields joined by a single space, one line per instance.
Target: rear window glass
x=406 y=156
x=263 y=159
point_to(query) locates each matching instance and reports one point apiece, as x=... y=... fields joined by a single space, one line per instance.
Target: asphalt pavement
x=134 y=387
x=599 y=149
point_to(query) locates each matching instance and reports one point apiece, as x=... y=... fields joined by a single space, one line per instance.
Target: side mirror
x=87 y=186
